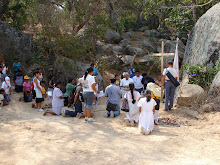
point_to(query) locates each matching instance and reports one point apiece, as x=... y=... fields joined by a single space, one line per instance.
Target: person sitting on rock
x=18 y=81
x=113 y=93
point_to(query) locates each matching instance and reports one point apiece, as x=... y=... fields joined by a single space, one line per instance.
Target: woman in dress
x=88 y=93
x=57 y=102
x=132 y=97
x=147 y=108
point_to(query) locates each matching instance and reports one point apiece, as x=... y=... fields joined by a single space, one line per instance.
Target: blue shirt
x=95 y=71
x=113 y=92
x=17 y=66
x=132 y=70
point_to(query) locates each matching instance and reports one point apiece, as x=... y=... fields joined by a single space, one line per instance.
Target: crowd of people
x=139 y=96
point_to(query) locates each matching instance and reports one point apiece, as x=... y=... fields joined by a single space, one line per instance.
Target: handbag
x=125 y=106
x=111 y=106
x=172 y=79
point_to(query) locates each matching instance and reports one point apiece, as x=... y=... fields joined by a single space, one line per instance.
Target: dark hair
x=16 y=58
x=116 y=75
x=59 y=82
x=50 y=77
x=42 y=82
x=36 y=72
x=19 y=70
x=137 y=71
x=2 y=90
x=131 y=86
x=144 y=74
x=70 y=80
x=170 y=63
x=113 y=80
x=87 y=72
x=148 y=95
x=92 y=64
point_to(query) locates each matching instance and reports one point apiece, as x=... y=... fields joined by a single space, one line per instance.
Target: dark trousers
x=18 y=88
x=169 y=94
x=26 y=97
x=78 y=109
x=65 y=101
x=157 y=107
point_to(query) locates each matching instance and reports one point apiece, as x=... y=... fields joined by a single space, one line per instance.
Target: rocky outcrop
x=203 y=45
x=113 y=37
x=14 y=43
x=215 y=87
x=189 y=93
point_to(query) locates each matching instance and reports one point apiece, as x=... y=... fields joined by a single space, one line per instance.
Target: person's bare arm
x=163 y=80
x=10 y=90
x=35 y=81
x=154 y=110
x=139 y=109
x=93 y=87
x=75 y=98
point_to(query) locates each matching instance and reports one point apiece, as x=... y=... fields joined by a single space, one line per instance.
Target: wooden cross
x=162 y=54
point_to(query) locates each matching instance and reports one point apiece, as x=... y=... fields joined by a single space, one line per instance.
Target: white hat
x=125 y=73
x=80 y=80
x=7 y=79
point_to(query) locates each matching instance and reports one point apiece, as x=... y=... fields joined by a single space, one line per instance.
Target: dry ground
x=27 y=137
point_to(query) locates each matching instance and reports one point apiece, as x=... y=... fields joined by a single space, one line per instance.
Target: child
x=57 y=102
x=147 y=108
x=38 y=90
x=155 y=94
x=27 y=89
x=6 y=85
x=42 y=83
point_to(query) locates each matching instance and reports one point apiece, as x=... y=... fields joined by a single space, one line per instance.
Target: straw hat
x=26 y=77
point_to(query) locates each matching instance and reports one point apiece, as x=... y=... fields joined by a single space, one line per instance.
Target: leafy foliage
x=201 y=75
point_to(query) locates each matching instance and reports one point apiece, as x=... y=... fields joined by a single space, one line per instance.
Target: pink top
x=27 y=85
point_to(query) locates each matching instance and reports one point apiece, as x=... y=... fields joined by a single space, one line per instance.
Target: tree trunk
x=194 y=11
x=112 y=15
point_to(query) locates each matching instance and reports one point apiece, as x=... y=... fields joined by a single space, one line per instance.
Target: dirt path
x=27 y=137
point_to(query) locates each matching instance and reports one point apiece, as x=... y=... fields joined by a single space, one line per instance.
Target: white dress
x=38 y=92
x=146 y=119
x=133 y=113
x=57 y=103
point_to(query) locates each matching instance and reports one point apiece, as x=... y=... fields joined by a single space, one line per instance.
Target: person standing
x=132 y=97
x=18 y=81
x=38 y=91
x=168 y=86
x=147 y=108
x=131 y=71
x=137 y=82
x=51 y=83
x=95 y=71
x=16 y=65
x=4 y=71
x=88 y=93
x=114 y=94
x=125 y=83
x=40 y=74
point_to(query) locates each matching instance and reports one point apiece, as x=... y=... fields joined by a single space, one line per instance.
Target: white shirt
x=6 y=87
x=125 y=82
x=38 y=92
x=4 y=70
x=87 y=84
x=146 y=106
x=172 y=71
x=137 y=82
x=57 y=102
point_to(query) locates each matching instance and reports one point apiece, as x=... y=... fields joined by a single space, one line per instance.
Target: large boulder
x=124 y=43
x=203 y=45
x=15 y=43
x=149 y=46
x=189 y=93
x=152 y=33
x=112 y=37
x=170 y=47
x=129 y=50
x=215 y=87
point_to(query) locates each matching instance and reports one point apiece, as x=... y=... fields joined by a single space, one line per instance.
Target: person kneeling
x=147 y=108
x=113 y=93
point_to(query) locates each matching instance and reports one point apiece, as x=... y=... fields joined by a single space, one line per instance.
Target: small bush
x=201 y=75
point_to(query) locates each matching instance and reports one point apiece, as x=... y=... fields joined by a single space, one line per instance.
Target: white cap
x=125 y=73
x=7 y=79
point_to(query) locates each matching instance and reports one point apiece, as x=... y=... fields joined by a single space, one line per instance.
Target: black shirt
x=147 y=80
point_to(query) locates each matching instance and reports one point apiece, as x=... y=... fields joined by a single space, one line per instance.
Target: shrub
x=201 y=75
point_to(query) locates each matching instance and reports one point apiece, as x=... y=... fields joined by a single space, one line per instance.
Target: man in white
x=137 y=82
x=125 y=83
x=169 y=87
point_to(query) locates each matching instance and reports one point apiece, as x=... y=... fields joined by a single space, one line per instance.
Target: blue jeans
x=78 y=109
x=117 y=112
x=139 y=90
x=88 y=99
x=7 y=98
